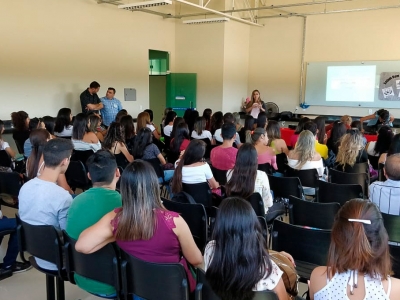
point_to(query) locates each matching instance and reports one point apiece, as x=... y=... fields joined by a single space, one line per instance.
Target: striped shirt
x=386 y=195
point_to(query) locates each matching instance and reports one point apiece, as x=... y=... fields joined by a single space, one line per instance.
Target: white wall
x=52 y=50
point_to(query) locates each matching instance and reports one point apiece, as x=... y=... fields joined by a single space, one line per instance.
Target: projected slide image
x=350 y=83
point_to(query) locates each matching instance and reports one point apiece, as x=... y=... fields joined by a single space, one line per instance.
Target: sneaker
x=19 y=267
x=5 y=273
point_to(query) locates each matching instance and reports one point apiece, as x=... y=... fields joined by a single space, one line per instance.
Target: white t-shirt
x=267 y=283
x=205 y=134
x=317 y=164
x=261 y=186
x=370 y=149
x=83 y=146
x=66 y=132
x=192 y=175
x=4 y=145
x=167 y=130
x=152 y=128
x=218 y=137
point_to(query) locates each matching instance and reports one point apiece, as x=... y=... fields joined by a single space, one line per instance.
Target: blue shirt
x=375 y=121
x=109 y=110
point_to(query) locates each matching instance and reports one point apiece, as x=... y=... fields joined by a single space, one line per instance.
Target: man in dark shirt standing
x=90 y=102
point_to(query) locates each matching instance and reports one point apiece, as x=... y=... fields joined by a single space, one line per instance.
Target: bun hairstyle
x=253 y=137
x=359 y=246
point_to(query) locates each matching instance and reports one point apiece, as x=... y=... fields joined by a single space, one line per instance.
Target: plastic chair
x=5 y=159
x=309 y=247
x=357 y=168
x=373 y=160
x=381 y=174
x=82 y=156
x=205 y=292
x=219 y=175
x=267 y=168
x=153 y=281
x=10 y=184
x=361 y=179
x=102 y=265
x=331 y=192
x=195 y=216
x=308 y=178
x=284 y=187
x=312 y=214
x=395 y=255
x=392 y=225
x=281 y=161
x=212 y=213
x=200 y=192
x=44 y=242
x=76 y=176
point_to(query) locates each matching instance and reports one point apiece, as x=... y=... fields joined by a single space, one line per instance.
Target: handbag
x=289 y=276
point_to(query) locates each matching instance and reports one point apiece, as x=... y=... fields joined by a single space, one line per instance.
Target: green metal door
x=181 y=91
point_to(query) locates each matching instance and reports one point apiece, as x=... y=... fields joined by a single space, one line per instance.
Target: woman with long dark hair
x=321 y=135
x=338 y=131
x=299 y=129
x=35 y=163
x=49 y=123
x=146 y=150
x=244 y=179
x=129 y=130
x=143 y=227
x=82 y=138
x=63 y=126
x=207 y=113
x=393 y=149
x=169 y=122
x=115 y=143
x=21 y=130
x=192 y=169
x=246 y=130
x=181 y=138
x=359 y=264
x=382 y=143
x=217 y=120
x=236 y=262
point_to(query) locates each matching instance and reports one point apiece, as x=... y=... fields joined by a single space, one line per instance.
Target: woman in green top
x=274 y=138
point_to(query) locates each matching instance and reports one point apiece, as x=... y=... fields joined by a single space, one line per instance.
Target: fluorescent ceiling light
x=204 y=21
x=145 y=4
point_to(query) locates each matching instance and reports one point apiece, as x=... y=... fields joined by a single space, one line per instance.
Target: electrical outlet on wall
x=370 y=111
x=141 y=107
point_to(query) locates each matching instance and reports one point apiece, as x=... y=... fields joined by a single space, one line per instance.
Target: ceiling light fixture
x=145 y=4
x=205 y=21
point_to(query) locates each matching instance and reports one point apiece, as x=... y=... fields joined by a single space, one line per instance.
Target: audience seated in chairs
x=33 y=124
x=82 y=138
x=181 y=138
x=393 y=149
x=320 y=148
x=351 y=151
x=143 y=227
x=146 y=150
x=90 y=206
x=41 y=200
x=237 y=238
x=192 y=169
x=49 y=123
x=169 y=122
x=217 y=119
x=382 y=143
x=245 y=131
x=4 y=145
x=63 y=127
x=299 y=129
x=207 y=113
x=115 y=143
x=223 y=157
x=145 y=120
x=338 y=131
x=358 y=264
x=94 y=122
x=200 y=132
x=274 y=138
x=21 y=131
x=129 y=130
x=266 y=154
x=228 y=118
x=386 y=194
x=36 y=164
x=304 y=156
x=244 y=179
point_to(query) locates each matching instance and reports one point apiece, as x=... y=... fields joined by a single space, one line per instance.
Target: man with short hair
x=386 y=194
x=228 y=118
x=41 y=200
x=320 y=148
x=90 y=102
x=90 y=206
x=111 y=106
x=223 y=157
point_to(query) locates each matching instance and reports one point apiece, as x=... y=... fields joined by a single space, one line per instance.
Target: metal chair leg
x=60 y=289
x=50 y=291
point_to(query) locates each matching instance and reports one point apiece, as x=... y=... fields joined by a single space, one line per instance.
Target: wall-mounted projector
x=145 y=4
x=205 y=21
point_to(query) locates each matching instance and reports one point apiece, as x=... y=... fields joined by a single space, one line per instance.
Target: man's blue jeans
x=12 y=249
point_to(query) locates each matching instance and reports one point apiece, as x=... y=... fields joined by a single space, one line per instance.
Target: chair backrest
x=395 y=255
x=219 y=175
x=155 y=163
x=208 y=147
x=331 y=192
x=200 y=192
x=172 y=156
x=281 y=161
x=81 y=156
x=304 y=244
x=20 y=145
x=10 y=184
x=267 y=168
x=41 y=241
x=381 y=174
x=392 y=225
x=357 y=168
x=153 y=281
x=361 y=179
x=373 y=160
x=76 y=175
x=285 y=186
x=312 y=214
x=307 y=178
x=102 y=265
x=212 y=212
x=5 y=159
x=195 y=216
x=205 y=292
x=257 y=203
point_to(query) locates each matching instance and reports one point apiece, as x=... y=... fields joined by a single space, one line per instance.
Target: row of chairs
x=110 y=265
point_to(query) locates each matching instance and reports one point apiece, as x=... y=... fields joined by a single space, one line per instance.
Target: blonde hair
x=346 y=119
x=142 y=120
x=350 y=146
x=305 y=148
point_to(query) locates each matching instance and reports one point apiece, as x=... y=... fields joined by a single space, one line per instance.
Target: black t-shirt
x=87 y=98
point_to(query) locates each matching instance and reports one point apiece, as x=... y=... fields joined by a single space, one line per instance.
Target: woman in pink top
x=143 y=227
x=265 y=153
